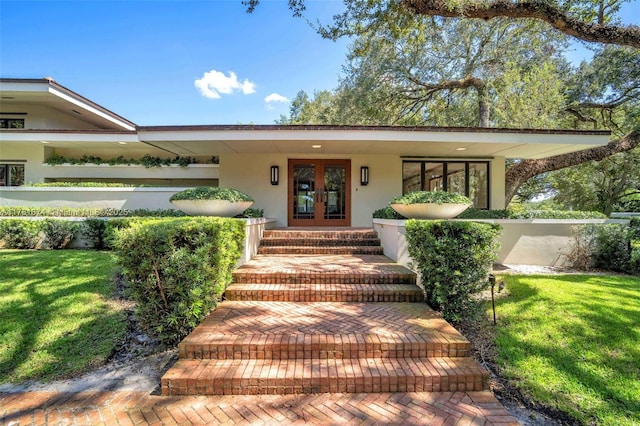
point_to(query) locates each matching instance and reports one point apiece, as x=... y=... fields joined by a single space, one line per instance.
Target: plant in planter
x=430 y=204
x=208 y=201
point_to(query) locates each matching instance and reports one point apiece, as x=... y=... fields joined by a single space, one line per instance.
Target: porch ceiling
x=345 y=142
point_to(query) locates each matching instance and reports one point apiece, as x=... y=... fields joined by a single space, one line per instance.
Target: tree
x=592 y=21
x=421 y=74
x=588 y=20
x=599 y=186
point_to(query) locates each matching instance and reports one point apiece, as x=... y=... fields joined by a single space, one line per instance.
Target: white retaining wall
x=523 y=241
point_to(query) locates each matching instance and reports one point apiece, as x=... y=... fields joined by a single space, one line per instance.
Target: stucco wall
x=41 y=117
x=250 y=173
x=523 y=242
x=99 y=198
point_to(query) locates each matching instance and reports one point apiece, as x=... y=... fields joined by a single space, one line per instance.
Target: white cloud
x=275 y=97
x=214 y=83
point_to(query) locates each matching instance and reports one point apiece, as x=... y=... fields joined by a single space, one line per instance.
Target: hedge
x=454 y=259
x=177 y=269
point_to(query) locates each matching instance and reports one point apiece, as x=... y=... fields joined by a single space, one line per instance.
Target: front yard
x=571 y=343
x=58 y=318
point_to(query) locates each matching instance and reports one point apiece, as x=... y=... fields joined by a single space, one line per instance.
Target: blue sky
x=178 y=62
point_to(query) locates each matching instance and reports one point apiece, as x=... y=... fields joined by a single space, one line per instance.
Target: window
x=469 y=178
x=11 y=123
x=11 y=174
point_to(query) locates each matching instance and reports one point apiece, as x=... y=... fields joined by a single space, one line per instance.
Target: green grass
x=572 y=343
x=57 y=319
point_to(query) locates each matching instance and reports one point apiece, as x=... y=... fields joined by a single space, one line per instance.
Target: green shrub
x=387 y=213
x=20 y=233
x=58 y=233
x=555 y=214
x=211 y=193
x=613 y=247
x=85 y=212
x=177 y=269
x=476 y=213
x=251 y=213
x=81 y=185
x=438 y=197
x=454 y=259
x=93 y=230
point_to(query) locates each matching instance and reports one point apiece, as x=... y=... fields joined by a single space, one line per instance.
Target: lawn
x=572 y=343
x=58 y=316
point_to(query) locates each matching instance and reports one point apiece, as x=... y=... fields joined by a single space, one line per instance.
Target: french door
x=319 y=193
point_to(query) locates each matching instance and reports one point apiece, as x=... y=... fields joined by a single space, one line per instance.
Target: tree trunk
x=520 y=172
x=483 y=105
x=542 y=10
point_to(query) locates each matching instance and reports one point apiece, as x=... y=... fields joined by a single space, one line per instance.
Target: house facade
x=300 y=175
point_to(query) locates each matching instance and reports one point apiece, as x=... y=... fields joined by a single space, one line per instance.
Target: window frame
x=5 y=173
x=424 y=185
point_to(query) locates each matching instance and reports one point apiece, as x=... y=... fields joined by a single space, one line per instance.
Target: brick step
x=320 y=250
x=323 y=269
x=343 y=234
x=257 y=376
x=329 y=327
x=318 y=242
x=258 y=277
x=325 y=292
x=325 y=346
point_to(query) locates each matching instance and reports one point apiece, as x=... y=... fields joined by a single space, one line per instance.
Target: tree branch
x=542 y=10
x=520 y=172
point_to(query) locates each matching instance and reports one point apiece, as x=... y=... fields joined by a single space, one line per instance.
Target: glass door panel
x=334 y=196
x=304 y=191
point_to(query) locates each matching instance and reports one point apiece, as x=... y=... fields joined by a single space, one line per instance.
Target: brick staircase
x=323 y=311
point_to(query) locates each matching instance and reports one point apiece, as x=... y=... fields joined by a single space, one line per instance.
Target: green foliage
x=612 y=247
x=177 y=269
x=58 y=316
x=529 y=98
x=85 y=212
x=20 y=233
x=599 y=186
x=101 y=232
x=437 y=197
x=569 y=343
x=476 y=213
x=146 y=160
x=81 y=185
x=94 y=231
x=454 y=260
x=387 y=213
x=555 y=214
x=211 y=193
x=251 y=213
x=58 y=233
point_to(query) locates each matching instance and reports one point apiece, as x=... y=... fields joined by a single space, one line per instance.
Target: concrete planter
x=430 y=210
x=221 y=208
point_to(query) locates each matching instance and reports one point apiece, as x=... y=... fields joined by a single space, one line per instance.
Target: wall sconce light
x=275 y=175
x=364 y=175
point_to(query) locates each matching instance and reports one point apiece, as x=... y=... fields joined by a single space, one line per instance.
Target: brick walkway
x=131 y=408
x=302 y=339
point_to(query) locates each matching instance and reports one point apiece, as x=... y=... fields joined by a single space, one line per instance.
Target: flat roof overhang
x=95 y=142
x=49 y=93
x=345 y=140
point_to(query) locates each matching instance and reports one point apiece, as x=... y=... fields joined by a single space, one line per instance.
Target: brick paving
x=301 y=323
x=308 y=339
x=136 y=408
